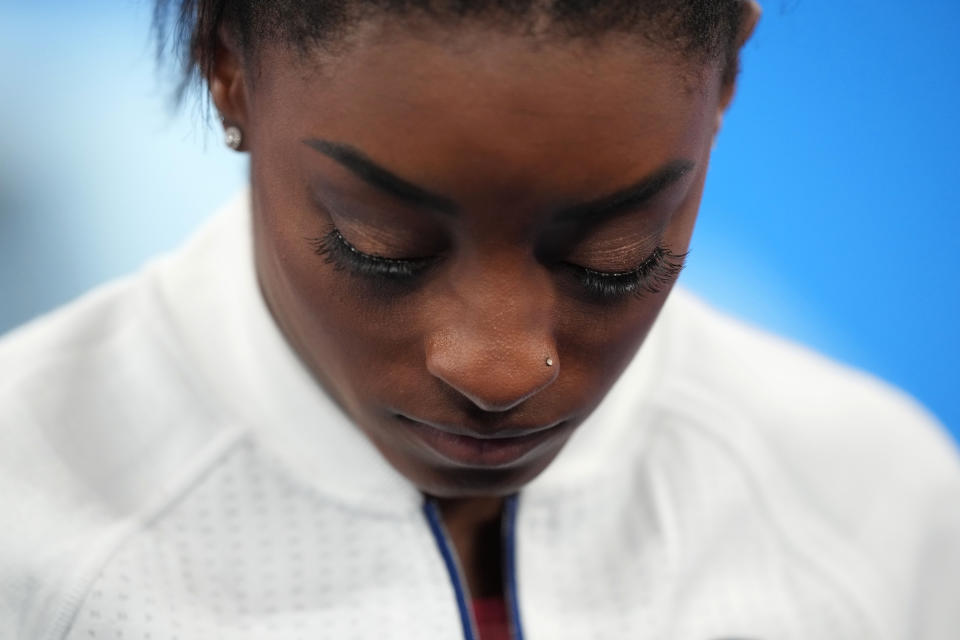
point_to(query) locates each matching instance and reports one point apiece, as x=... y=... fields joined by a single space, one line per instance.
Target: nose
x=493 y=341
x=495 y=371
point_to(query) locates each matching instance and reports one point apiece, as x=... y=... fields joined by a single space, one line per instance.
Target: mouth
x=462 y=447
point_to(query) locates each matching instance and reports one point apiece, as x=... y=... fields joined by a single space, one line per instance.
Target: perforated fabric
x=250 y=554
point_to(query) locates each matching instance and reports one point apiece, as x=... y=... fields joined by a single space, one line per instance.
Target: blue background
x=830 y=214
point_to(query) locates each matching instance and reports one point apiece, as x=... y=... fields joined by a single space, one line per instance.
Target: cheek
x=331 y=318
x=597 y=344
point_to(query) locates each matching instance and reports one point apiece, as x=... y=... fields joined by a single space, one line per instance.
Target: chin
x=466 y=482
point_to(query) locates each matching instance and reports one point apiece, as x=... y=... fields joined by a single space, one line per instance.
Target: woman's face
x=467 y=236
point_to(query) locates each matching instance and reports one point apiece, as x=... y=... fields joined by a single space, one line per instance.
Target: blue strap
x=443 y=542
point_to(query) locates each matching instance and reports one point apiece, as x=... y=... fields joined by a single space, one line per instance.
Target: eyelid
x=376 y=257
x=338 y=251
x=617 y=247
x=654 y=274
x=362 y=254
x=390 y=229
x=602 y=273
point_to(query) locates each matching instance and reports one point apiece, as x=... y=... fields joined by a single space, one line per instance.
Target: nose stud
x=549 y=361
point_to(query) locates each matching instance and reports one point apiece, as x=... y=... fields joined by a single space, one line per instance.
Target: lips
x=501 y=432
x=502 y=447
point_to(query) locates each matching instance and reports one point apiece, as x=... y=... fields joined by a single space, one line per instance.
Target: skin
x=512 y=129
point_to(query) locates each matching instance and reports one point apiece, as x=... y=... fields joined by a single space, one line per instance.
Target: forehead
x=505 y=110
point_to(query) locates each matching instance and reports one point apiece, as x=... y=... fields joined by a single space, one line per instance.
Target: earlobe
x=227 y=86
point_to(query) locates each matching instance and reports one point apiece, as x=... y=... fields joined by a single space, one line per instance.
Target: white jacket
x=168 y=469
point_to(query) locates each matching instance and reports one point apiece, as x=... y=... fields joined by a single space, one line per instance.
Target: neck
x=474 y=526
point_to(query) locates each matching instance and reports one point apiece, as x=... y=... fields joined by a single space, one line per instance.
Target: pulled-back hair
x=704 y=30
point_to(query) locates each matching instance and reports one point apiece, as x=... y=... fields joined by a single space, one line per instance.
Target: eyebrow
x=629 y=197
x=372 y=173
x=632 y=196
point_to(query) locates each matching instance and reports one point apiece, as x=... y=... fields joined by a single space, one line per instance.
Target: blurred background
x=830 y=216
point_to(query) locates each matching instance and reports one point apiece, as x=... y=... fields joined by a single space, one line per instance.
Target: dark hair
x=702 y=29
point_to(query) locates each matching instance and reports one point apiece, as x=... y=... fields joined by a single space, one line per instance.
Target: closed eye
x=338 y=251
x=651 y=276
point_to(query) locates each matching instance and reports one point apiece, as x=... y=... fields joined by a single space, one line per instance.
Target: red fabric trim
x=491 y=617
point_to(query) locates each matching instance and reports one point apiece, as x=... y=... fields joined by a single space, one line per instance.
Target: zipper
x=432 y=512
x=508 y=537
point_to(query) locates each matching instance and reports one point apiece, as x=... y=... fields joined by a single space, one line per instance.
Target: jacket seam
x=796 y=544
x=71 y=598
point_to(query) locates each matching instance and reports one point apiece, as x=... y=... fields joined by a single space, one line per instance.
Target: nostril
x=494 y=381
x=501 y=404
x=490 y=403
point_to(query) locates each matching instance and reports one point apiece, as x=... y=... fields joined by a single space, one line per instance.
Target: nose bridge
x=496 y=345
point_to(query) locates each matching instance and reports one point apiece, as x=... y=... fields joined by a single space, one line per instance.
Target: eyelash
x=342 y=255
x=655 y=273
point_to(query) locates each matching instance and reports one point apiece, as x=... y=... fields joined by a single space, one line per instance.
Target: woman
x=423 y=379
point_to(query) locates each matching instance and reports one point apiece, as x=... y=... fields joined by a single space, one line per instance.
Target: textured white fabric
x=168 y=470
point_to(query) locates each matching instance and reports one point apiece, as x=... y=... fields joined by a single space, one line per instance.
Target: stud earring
x=549 y=361
x=233 y=137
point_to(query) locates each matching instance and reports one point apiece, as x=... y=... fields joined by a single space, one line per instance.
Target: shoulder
x=95 y=384
x=810 y=408
x=830 y=445
x=99 y=414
